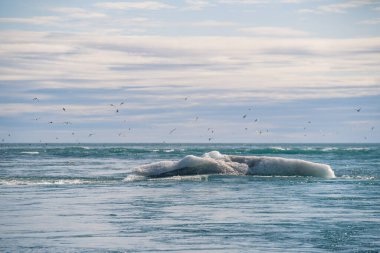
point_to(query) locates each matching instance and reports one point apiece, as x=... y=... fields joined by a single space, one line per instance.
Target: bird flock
x=210 y=134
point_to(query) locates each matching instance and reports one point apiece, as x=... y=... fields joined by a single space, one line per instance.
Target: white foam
x=329 y=149
x=133 y=178
x=30 y=152
x=16 y=182
x=217 y=163
x=279 y=148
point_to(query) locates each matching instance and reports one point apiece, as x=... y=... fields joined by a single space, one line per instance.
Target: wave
x=46 y=181
x=14 y=182
x=30 y=152
x=216 y=163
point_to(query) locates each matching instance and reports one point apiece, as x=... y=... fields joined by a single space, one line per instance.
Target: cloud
x=262 y=64
x=338 y=7
x=374 y=21
x=197 y=5
x=213 y=23
x=78 y=13
x=145 y=5
x=244 y=1
x=274 y=31
x=39 y=20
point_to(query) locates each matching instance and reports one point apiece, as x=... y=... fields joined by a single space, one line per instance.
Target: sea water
x=89 y=198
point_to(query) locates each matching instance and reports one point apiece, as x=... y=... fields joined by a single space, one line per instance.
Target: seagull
x=309 y=122
x=358 y=110
x=186 y=98
x=50 y=122
x=117 y=110
x=196 y=118
x=256 y=120
x=64 y=109
x=72 y=133
x=35 y=99
x=172 y=130
x=209 y=139
x=372 y=128
x=112 y=105
x=244 y=116
x=89 y=135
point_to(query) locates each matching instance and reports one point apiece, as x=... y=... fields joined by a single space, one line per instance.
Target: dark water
x=74 y=198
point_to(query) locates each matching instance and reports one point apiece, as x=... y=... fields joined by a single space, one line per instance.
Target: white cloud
x=213 y=23
x=261 y=63
x=339 y=7
x=78 y=12
x=145 y=5
x=39 y=20
x=274 y=31
x=197 y=5
x=244 y=1
x=374 y=21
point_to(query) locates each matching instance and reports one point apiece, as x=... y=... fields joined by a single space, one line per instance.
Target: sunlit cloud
x=196 y=5
x=144 y=5
x=38 y=20
x=78 y=12
x=339 y=7
x=274 y=31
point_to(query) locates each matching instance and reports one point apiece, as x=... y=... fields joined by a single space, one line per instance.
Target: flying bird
x=89 y=135
x=35 y=99
x=244 y=116
x=64 y=109
x=171 y=131
x=359 y=109
x=372 y=128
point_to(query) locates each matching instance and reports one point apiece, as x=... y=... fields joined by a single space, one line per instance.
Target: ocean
x=90 y=198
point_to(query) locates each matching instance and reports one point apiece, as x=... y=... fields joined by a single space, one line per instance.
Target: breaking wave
x=217 y=163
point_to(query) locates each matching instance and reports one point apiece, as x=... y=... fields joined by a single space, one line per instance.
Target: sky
x=255 y=71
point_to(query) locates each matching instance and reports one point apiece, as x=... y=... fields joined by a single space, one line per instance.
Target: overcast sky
x=190 y=71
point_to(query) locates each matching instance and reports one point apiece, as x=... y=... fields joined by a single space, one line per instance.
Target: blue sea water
x=77 y=198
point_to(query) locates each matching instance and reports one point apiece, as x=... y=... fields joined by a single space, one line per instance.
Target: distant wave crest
x=216 y=163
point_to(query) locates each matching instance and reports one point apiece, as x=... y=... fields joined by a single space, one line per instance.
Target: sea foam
x=217 y=163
